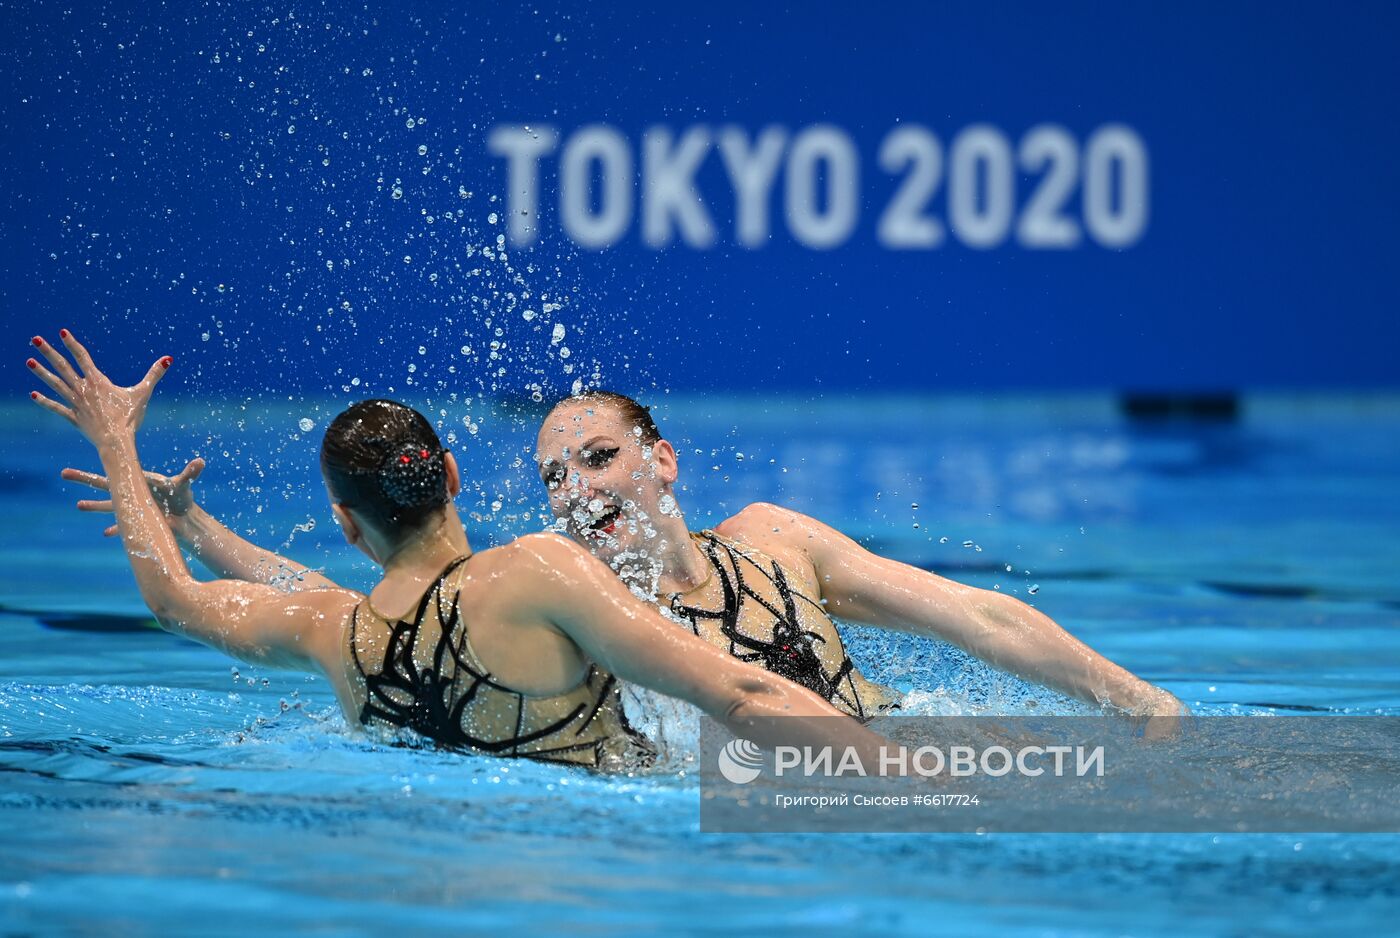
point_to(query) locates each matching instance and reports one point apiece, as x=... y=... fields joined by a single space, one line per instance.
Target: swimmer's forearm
x=1000 y=630
x=773 y=714
x=1031 y=645
x=229 y=556
x=161 y=574
x=1004 y=632
x=250 y=621
x=628 y=638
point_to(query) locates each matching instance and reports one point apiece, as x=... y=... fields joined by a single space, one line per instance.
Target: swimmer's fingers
x=148 y=383
x=79 y=353
x=60 y=364
x=51 y=379
x=188 y=474
x=55 y=406
x=86 y=504
x=91 y=479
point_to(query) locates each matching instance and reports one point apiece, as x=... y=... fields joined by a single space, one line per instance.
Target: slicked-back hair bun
x=384 y=460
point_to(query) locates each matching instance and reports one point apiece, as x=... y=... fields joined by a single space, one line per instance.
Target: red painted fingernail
x=63 y=333
x=37 y=341
x=32 y=363
x=165 y=362
x=33 y=395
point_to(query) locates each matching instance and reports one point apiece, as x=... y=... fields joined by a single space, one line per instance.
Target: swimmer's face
x=605 y=483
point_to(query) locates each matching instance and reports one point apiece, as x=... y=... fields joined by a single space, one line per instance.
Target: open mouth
x=605 y=523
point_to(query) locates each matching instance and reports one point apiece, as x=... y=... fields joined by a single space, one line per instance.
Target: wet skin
x=614 y=493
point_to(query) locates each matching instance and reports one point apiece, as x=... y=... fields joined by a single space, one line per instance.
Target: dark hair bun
x=412 y=474
x=384 y=460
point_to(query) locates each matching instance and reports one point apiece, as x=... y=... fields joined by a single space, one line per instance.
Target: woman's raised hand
x=103 y=411
x=174 y=494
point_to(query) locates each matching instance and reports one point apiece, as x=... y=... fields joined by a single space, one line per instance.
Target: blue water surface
x=150 y=784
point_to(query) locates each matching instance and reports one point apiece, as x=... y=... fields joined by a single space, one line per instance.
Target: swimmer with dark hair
x=764 y=584
x=514 y=651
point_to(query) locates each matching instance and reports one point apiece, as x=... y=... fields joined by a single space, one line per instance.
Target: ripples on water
x=1249 y=568
x=140 y=772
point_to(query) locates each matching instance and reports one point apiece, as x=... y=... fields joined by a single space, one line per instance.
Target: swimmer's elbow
x=172 y=601
x=752 y=697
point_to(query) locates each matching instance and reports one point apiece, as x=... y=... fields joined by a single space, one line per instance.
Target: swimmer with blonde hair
x=512 y=651
x=764 y=584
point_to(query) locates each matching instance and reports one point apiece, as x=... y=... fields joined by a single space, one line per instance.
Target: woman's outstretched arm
x=586 y=601
x=252 y=621
x=221 y=551
x=1003 y=631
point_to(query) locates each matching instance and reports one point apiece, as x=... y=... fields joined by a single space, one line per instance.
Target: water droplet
x=493 y=218
x=397 y=193
x=291 y=128
x=914 y=505
x=558 y=335
x=1033 y=588
x=306 y=424
x=422 y=149
x=968 y=544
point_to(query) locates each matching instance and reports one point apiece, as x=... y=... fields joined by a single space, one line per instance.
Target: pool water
x=151 y=784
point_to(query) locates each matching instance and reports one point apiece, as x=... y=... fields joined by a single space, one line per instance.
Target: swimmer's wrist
x=115 y=442
x=189 y=525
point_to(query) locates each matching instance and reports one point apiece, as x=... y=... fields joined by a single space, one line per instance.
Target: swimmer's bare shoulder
x=516 y=581
x=507 y=594
x=783 y=534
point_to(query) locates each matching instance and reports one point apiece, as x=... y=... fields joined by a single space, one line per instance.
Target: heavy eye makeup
x=552 y=474
x=598 y=458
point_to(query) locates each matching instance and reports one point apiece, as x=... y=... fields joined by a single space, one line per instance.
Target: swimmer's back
x=472 y=663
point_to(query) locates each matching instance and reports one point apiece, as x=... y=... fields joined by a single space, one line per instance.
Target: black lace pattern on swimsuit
x=436 y=700
x=791 y=649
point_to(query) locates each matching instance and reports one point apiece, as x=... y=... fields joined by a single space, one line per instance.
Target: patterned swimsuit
x=420 y=673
